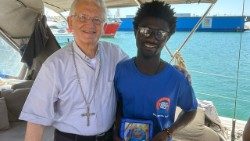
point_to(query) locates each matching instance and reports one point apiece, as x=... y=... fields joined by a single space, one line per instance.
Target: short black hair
x=156 y=9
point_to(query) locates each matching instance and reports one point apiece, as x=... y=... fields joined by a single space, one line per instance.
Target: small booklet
x=136 y=130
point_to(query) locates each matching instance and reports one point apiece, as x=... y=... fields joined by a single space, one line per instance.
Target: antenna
x=237 y=81
x=117 y=13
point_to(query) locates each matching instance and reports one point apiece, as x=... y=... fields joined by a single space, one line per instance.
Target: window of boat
x=10 y=64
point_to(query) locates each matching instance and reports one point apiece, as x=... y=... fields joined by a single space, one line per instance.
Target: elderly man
x=74 y=87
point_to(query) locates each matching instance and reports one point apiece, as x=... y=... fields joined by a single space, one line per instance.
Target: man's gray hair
x=100 y=2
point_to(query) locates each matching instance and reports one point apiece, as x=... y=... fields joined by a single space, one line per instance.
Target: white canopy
x=17 y=18
x=64 y=5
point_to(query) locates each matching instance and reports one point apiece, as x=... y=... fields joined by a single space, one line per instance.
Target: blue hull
x=210 y=24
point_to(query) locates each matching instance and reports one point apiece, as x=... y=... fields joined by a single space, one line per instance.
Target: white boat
x=18 y=21
x=61 y=28
x=58 y=27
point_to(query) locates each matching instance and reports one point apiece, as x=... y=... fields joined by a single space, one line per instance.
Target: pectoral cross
x=88 y=114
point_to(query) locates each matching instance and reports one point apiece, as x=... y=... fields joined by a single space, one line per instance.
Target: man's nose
x=152 y=36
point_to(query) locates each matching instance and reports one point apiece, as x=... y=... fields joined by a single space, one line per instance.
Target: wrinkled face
x=151 y=36
x=87 y=22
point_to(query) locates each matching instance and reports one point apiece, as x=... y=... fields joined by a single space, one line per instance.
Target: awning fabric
x=64 y=5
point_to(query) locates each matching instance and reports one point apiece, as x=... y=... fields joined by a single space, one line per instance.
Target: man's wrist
x=168 y=131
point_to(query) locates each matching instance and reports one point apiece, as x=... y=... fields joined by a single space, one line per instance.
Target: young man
x=148 y=88
x=74 y=87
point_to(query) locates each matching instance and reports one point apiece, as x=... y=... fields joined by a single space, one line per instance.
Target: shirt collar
x=83 y=55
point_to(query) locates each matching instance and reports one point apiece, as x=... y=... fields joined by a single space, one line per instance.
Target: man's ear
x=102 y=30
x=69 y=20
x=167 y=39
x=135 y=32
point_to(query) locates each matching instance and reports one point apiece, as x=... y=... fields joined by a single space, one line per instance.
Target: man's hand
x=117 y=138
x=162 y=136
x=185 y=73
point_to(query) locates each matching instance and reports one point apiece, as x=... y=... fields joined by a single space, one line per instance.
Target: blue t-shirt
x=153 y=97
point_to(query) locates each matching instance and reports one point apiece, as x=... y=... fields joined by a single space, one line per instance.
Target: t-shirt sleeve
x=117 y=70
x=186 y=99
x=39 y=105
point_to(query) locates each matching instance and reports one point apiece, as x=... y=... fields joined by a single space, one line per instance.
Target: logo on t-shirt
x=163 y=104
x=162 y=111
x=162 y=107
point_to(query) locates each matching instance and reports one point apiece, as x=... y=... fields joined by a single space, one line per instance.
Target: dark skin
x=149 y=48
x=148 y=62
x=246 y=133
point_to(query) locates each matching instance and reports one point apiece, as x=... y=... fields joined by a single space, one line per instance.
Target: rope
x=178 y=59
x=193 y=30
x=237 y=80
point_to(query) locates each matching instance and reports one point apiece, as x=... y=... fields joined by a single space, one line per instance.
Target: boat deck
x=239 y=127
x=17 y=131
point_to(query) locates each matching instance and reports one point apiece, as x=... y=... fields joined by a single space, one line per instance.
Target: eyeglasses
x=84 y=18
x=159 y=34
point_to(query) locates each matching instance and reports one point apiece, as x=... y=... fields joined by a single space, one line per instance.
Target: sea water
x=212 y=59
x=218 y=62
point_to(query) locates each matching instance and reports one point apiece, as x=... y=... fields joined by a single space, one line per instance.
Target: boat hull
x=210 y=24
x=110 y=29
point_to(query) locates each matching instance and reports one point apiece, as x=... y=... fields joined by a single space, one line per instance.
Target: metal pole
x=139 y=2
x=193 y=30
x=9 y=40
x=237 y=82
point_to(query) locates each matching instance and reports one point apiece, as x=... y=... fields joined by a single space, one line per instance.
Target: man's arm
x=185 y=73
x=117 y=122
x=246 y=132
x=34 y=132
x=180 y=123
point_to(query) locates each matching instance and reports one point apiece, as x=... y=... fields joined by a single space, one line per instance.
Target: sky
x=221 y=8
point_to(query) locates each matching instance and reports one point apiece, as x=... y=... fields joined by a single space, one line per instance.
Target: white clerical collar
x=78 y=50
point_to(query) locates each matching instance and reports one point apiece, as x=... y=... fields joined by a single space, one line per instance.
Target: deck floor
x=239 y=127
